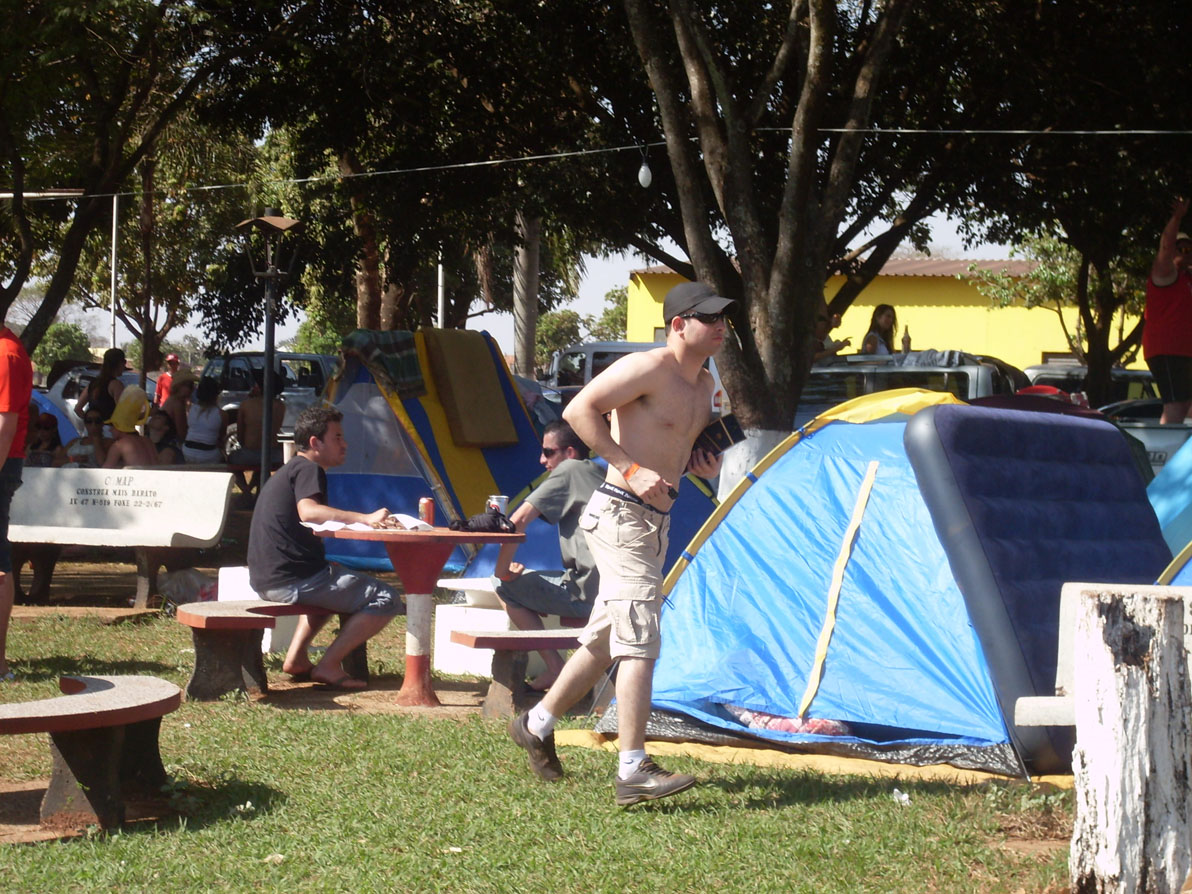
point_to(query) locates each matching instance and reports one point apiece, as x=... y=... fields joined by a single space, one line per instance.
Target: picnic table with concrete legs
x=418 y=558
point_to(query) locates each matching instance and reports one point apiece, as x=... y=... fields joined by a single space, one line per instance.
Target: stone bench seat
x=511 y=649
x=149 y=510
x=227 y=638
x=104 y=739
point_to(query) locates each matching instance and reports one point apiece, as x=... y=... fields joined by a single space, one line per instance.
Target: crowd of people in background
x=122 y=426
x=183 y=422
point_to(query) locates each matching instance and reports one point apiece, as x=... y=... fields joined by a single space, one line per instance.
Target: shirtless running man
x=660 y=401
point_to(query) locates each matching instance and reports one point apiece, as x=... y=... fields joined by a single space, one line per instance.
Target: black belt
x=628 y=496
x=199 y=445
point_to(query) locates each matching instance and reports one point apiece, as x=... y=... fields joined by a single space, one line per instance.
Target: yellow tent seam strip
x=846 y=549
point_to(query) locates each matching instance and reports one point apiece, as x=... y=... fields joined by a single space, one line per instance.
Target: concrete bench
x=480 y=610
x=150 y=510
x=227 y=637
x=104 y=739
x=1058 y=709
x=511 y=648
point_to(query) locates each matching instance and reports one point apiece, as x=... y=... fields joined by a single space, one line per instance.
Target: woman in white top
x=206 y=425
x=882 y=327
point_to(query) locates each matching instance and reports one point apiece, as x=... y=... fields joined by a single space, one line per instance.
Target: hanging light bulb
x=644 y=175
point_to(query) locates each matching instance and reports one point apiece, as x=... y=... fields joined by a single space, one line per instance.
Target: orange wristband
x=629 y=472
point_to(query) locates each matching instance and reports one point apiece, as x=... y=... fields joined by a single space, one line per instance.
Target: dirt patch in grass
x=1032 y=847
x=458 y=699
x=20 y=821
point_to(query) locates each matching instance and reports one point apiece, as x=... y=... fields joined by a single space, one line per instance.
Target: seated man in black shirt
x=287 y=563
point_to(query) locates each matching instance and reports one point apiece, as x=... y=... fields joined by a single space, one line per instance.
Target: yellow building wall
x=643 y=307
x=941 y=312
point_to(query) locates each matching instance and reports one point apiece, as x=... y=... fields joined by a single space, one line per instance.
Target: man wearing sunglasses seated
x=560 y=500
x=660 y=400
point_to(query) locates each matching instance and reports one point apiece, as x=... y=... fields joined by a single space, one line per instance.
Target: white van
x=573 y=368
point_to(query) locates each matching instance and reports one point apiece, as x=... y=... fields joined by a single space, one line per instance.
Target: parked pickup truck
x=842 y=378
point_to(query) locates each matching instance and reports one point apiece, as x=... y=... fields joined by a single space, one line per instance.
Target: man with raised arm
x=660 y=400
x=287 y=562
x=1167 y=333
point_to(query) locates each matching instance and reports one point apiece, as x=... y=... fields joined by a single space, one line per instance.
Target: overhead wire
x=638 y=147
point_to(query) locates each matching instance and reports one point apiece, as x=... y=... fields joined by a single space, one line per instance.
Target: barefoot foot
x=344 y=682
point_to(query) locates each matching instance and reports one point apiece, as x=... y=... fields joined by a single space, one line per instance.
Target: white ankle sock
x=540 y=722
x=630 y=760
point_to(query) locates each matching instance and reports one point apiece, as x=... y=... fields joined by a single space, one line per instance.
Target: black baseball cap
x=692 y=297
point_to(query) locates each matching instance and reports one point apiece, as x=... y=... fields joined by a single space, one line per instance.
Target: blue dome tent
x=885 y=583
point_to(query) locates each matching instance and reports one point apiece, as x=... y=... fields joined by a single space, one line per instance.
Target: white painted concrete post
x=1133 y=757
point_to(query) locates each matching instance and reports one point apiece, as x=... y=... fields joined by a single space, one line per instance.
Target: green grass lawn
x=337 y=799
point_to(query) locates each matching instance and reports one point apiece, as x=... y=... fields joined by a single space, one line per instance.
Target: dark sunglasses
x=548 y=452
x=706 y=319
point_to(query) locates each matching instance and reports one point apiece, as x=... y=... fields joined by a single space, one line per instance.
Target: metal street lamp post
x=274 y=271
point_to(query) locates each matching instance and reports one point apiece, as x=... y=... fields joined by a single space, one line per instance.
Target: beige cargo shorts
x=628 y=543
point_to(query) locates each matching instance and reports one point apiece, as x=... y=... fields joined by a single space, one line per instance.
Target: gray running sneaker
x=543 y=760
x=650 y=783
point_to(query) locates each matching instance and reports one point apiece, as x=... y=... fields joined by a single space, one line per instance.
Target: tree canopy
x=87 y=87
x=62 y=341
x=788 y=142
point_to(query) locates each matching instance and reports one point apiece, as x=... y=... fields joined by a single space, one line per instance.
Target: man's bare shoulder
x=643 y=362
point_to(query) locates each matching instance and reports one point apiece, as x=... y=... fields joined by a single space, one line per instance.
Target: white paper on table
x=409 y=522
x=338 y=526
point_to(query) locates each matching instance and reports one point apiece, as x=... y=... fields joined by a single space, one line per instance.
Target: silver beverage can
x=499 y=501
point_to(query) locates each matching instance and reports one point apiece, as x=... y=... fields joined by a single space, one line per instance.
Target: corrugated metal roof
x=951 y=266
x=918 y=267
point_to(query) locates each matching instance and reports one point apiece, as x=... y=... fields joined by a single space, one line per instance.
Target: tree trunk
x=368 y=268
x=71 y=248
x=525 y=293
x=391 y=301
x=1133 y=757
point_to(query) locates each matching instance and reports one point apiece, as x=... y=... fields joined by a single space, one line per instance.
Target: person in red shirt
x=165 y=380
x=16 y=391
x=1167 y=331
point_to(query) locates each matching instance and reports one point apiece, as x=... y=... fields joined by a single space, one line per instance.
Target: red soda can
x=426 y=510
